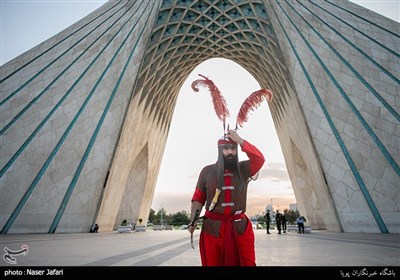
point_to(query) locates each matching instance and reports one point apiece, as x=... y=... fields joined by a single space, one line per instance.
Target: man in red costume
x=227 y=237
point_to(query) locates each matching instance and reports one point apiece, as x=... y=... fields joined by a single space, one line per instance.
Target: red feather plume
x=251 y=103
x=219 y=102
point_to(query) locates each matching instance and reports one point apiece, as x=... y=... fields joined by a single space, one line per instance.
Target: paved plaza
x=172 y=248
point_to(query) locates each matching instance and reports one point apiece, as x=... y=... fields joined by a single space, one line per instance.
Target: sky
x=195 y=128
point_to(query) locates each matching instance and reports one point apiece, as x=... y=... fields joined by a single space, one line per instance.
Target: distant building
x=269 y=206
x=293 y=206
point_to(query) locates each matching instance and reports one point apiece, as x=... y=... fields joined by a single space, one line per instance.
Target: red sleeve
x=199 y=196
x=255 y=156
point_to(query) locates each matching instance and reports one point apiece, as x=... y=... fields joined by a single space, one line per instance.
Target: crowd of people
x=281 y=222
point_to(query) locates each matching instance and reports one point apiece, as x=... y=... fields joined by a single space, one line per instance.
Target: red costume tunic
x=227 y=236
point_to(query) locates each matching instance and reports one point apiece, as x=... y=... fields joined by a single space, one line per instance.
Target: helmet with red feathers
x=220 y=106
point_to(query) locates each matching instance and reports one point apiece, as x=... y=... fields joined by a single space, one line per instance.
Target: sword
x=196 y=216
x=215 y=200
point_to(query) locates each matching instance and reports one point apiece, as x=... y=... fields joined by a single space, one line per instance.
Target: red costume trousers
x=229 y=248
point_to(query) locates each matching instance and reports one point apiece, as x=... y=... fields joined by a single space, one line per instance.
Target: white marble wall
x=378 y=174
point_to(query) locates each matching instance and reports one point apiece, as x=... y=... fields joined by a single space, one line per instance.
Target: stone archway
x=86 y=102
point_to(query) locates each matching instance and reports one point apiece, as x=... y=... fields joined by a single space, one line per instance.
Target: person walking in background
x=283 y=220
x=278 y=220
x=300 y=223
x=267 y=218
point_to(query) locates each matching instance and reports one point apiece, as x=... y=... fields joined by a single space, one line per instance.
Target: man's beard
x=230 y=162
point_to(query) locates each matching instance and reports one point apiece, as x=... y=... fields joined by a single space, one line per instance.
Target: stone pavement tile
x=172 y=248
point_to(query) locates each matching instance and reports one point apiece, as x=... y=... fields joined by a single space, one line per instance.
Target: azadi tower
x=85 y=115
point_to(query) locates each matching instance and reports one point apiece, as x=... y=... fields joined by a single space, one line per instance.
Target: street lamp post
x=161 y=215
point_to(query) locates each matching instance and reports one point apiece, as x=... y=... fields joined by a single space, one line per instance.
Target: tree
x=180 y=218
x=291 y=216
x=162 y=217
x=260 y=220
x=152 y=216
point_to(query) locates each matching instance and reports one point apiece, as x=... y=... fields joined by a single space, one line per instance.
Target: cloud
x=275 y=171
x=172 y=202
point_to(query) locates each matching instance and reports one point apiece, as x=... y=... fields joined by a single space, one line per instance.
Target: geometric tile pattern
x=189 y=32
x=134 y=190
